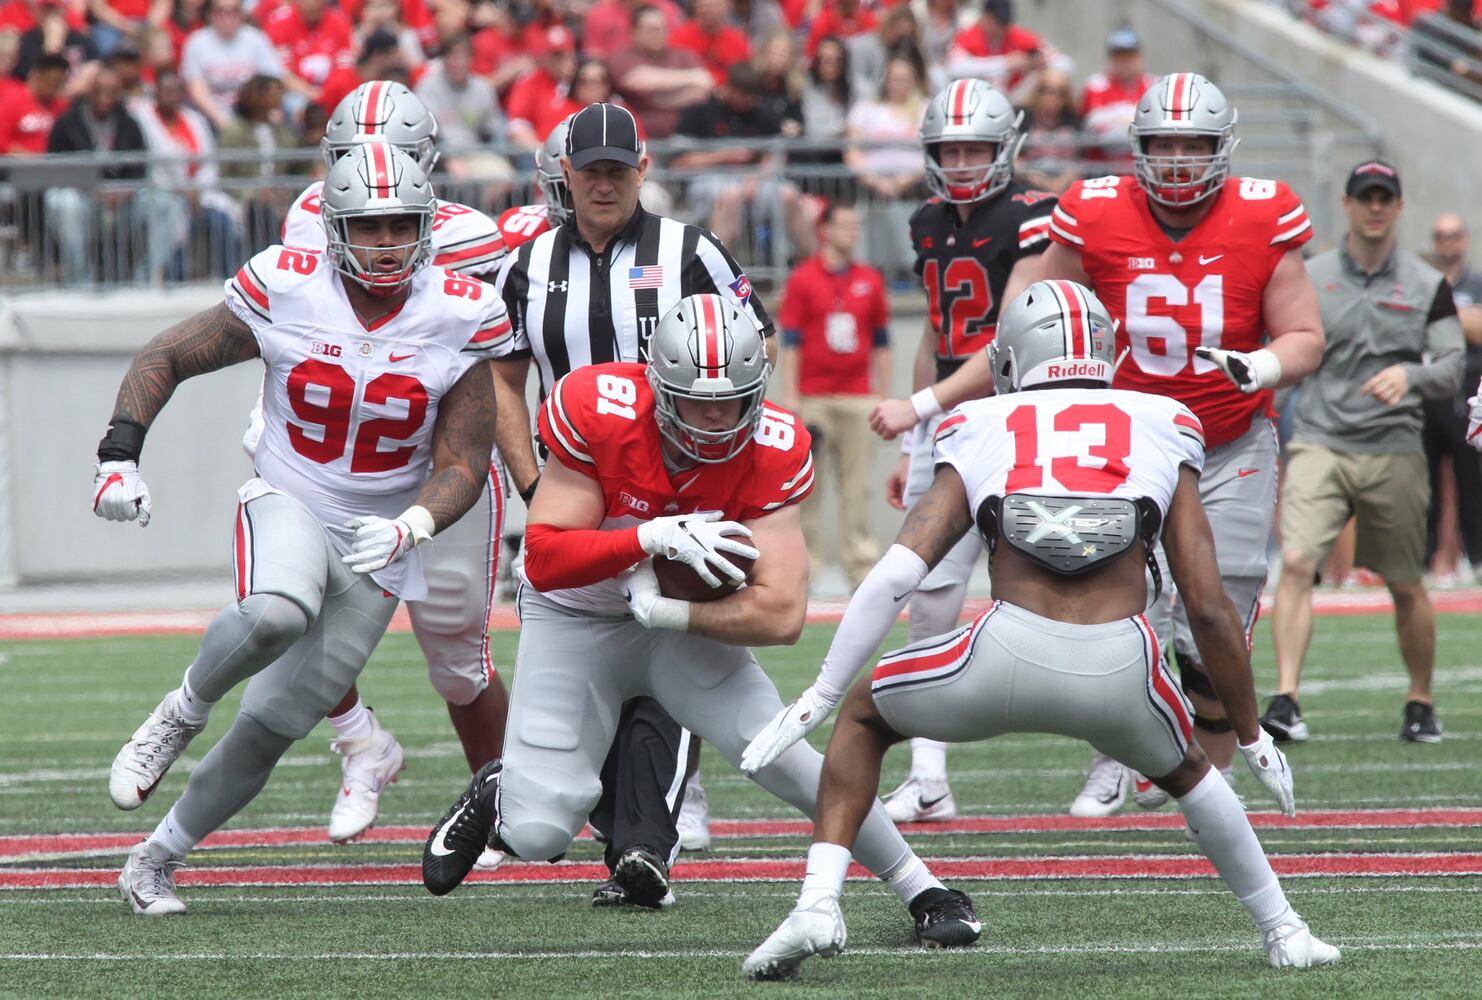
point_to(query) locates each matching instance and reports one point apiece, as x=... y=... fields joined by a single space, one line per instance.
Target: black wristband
x=123 y=442
x=528 y=493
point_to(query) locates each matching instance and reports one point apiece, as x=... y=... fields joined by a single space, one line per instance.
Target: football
x=682 y=583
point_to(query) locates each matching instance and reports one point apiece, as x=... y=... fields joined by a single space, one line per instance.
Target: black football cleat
x=459 y=838
x=945 y=919
x=640 y=878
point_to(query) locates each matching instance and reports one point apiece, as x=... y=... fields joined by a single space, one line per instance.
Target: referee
x=588 y=292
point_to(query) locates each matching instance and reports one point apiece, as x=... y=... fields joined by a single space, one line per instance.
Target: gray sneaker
x=147 y=882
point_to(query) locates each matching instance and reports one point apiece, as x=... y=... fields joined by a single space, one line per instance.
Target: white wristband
x=1267 y=368
x=419 y=519
x=925 y=404
x=671 y=614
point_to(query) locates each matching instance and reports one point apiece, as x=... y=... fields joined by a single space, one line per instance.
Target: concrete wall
x=1432 y=135
x=61 y=358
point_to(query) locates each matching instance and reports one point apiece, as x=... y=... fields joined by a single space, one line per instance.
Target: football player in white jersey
x=1070 y=483
x=379 y=421
x=452 y=622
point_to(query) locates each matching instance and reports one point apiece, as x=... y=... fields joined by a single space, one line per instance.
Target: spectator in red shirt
x=115 y=20
x=380 y=59
x=656 y=79
x=538 y=95
x=55 y=34
x=607 y=28
x=1001 y=52
x=842 y=19
x=311 y=41
x=835 y=362
x=1110 y=97
x=711 y=37
x=504 y=51
x=391 y=17
x=28 y=111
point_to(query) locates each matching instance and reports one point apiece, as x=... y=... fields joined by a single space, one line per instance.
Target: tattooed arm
x=462 y=441
x=939 y=519
x=205 y=342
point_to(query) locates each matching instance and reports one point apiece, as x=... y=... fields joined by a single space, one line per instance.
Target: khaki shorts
x=1389 y=494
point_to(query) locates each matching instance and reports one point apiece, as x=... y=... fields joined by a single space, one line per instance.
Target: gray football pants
x=298 y=593
x=574 y=671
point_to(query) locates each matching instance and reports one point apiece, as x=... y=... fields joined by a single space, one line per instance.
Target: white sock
x=355 y=723
x=171 y=838
x=912 y=880
x=191 y=707
x=827 y=865
x=1223 y=833
x=692 y=784
x=1228 y=773
x=928 y=760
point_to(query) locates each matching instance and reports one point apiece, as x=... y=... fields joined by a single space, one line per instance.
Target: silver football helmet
x=970 y=111
x=707 y=348
x=1182 y=104
x=548 y=175
x=377 y=179
x=382 y=111
x=1055 y=331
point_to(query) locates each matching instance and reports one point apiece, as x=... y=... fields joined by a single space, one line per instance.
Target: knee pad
x=538 y=820
x=273 y=623
x=535 y=839
x=1192 y=677
x=458 y=686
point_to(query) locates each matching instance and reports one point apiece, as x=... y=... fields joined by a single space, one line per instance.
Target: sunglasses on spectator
x=1447 y=234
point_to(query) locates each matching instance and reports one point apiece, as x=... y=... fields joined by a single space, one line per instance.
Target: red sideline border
x=111 y=624
x=770 y=870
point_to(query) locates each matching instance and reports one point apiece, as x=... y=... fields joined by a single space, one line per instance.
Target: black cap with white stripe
x=603 y=132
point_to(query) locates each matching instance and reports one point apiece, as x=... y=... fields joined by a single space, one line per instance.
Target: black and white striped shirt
x=571 y=306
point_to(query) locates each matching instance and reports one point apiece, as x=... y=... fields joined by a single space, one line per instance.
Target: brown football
x=682 y=583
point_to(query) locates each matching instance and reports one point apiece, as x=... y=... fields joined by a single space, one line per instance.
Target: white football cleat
x=921 y=800
x=1105 y=789
x=370 y=762
x=490 y=859
x=142 y=762
x=694 y=818
x=1146 y=794
x=147 y=882
x=818 y=930
x=1293 y=946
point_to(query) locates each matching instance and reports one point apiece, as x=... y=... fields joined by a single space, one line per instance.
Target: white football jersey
x=463 y=239
x=348 y=410
x=1071 y=442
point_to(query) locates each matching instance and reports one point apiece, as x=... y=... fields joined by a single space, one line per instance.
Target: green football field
x=1382 y=860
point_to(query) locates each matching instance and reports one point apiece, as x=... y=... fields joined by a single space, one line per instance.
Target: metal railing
x=63 y=224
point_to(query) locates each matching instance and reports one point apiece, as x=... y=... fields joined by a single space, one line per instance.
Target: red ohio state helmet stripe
x=708 y=319
x=957 y=102
x=380 y=170
x=371 y=115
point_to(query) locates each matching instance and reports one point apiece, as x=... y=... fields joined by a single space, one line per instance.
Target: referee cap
x=603 y=132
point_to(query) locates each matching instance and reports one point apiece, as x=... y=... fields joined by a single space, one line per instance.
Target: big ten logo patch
x=328 y=350
x=629 y=500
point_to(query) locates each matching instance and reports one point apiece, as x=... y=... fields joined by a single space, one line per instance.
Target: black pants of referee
x=646 y=762
x=1445 y=434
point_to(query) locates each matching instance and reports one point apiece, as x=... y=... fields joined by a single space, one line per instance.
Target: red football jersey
x=312 y=53
x=599 y=421
x=521 y=224
x=1172 y=296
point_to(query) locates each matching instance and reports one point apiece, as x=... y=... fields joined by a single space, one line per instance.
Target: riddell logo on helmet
x=1077 y=369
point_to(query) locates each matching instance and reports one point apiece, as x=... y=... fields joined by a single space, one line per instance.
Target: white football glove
x=1474 y=421
x=788 y=726
x=698 y=541
x=379 y=542
x=650 y=608
x=1268 y=764
x=1260 y=369
x=119 y=493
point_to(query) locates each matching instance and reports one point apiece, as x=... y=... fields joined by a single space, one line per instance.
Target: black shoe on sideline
x=1283 y=720
x=1420 y=724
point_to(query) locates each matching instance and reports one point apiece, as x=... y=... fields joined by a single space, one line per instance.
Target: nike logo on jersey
x=1203 y=260
x=394 y=358
x=1242 y=473
x=983 y=242
x=439 y=844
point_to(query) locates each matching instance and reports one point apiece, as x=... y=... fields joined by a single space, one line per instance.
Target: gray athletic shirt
x=1402 y=314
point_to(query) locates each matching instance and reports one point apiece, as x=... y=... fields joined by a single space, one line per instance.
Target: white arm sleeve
x=872 y=611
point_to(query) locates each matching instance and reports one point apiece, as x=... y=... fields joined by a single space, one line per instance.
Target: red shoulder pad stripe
x=489 y=334
x=247 y=283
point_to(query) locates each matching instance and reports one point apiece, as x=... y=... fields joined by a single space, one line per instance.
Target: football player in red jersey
x=645 y=461
x=982 y=227
x=1199 y=269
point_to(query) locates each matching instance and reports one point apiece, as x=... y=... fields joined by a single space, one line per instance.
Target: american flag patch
x=648 y=276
